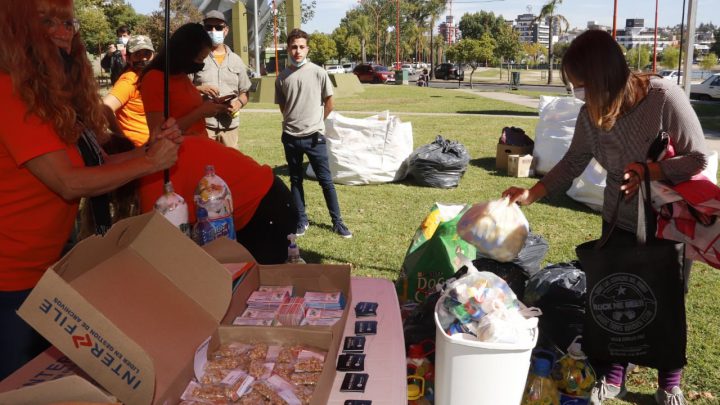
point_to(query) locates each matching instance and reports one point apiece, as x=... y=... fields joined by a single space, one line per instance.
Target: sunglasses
x=218 y=27
x=52 y=24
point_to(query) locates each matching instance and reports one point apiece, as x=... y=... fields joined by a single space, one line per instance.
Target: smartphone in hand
x=225 y=99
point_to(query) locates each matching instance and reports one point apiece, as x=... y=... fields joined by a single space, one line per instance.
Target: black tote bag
x=635 y=294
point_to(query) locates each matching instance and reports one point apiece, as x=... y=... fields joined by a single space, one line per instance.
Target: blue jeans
x=315 y=147
x=19 y=343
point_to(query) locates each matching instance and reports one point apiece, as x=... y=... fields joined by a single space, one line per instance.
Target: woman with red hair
x=50 y=155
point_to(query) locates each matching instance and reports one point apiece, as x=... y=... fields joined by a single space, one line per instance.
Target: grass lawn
x=384 y=217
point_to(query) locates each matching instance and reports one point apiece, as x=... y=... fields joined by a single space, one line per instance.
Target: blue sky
x=329 y=12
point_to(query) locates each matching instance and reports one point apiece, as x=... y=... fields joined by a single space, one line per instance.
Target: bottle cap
x=416 y=352
x=209 y=169
x=201 y=213
x=541 y=367
x=575 y=349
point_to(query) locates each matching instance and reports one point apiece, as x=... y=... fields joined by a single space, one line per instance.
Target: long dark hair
x=611 y=89
x=185 y=44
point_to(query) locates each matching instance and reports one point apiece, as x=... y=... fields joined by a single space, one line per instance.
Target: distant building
x=449 y=31
x=636 y=34
x=531 y=31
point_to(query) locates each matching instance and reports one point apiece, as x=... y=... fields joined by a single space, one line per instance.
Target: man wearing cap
x=124 y=98
x=115 y=58
x=224 y=74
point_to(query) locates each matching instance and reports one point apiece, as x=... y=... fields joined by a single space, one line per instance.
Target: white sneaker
x=674 y=397
x=602 y=391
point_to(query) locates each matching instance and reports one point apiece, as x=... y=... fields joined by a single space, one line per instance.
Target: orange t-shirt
x=248 y=180
x=184 y=98
x=35 y=222
x=131 y=115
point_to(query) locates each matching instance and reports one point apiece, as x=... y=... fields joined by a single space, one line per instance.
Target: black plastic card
x=366 y=309
x=357 y=402
x=365 y=327
x=354 y=382
x=354 y=344
x=351 y=362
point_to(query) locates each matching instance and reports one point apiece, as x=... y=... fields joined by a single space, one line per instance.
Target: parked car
x=707 y=90
x=348 y=67
x=334 y=69
x=410 y=69
x=449 y=71
x=670 y=74
x=373 y=73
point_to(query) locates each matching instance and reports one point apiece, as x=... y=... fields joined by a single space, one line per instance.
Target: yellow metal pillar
x=240 y=31
x=294 y=12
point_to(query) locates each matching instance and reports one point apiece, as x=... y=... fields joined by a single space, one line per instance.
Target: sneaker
x=674 y=397
x=602 y=391
x=342 y=230
x=300 y=231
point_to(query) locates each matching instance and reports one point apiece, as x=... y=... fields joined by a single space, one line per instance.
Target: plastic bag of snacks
x=496 y=228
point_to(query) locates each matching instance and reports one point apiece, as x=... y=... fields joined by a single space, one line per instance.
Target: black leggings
x=265 y=235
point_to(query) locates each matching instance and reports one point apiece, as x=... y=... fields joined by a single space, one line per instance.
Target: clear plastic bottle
x=574 y=376
x=540 y=389
x=174 y=208
x=203 y=232
x=294 y=251
x=213 y=194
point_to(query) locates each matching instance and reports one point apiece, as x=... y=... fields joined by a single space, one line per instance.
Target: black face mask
x=140 y=65
x=195 y=67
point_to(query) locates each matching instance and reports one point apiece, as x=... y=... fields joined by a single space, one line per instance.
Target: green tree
x=181 y=12
x=716 y=46
x=508 y=46
x=472 y=52
x=96 y=31
x=476 y=24
x=709 y=61
x=559 y=50
x=670 y=57
x=533 y=51
x=638 y=56
x=322 y=48
x=548 y=12
x=348 y=46
x=361 y=27
x=119 y=13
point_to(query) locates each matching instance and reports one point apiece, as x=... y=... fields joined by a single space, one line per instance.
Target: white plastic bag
x=554 y=130
x=589 y=188
x=497 y=229
x=508 y=326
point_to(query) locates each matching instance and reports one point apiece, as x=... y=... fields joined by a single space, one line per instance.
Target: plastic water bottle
x=174 y=208
x=294 y=251
x=540 y=389
x=213 y=194
x=574 y=376
x=203 y=232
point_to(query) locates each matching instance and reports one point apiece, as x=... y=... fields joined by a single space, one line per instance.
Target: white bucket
x=470 y=372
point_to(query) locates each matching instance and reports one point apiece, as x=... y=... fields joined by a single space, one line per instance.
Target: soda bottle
x=203 y=231
x=294 y=251
x=174 y=208
x=574 y=376
x=213 y=194
x=540 y=389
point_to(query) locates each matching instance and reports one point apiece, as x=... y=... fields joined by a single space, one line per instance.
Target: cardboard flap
x=308 y=277
x=225 y=250
x=89 y=339
x=72 y=389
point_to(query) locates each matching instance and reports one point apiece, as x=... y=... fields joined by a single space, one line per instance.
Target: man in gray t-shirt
x=304 y=93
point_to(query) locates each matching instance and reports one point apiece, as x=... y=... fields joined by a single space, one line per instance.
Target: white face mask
x=123 y=40
x=217 y=37
x=579 y=93
x=298 y=64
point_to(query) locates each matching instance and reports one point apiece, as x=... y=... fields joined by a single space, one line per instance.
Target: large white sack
x=554 y=131
x=366 y=150
x=589 y=187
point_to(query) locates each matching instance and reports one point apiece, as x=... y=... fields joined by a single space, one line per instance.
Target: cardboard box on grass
x=503 y=151
x=519 y=165
x=131 y=308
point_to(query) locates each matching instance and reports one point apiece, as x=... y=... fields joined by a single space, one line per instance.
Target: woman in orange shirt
x=189 y=45
x=52 y=126
x=124 y=98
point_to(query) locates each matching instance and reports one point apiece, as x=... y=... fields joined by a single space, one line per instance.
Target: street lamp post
x=397 y=37
x=654 y=64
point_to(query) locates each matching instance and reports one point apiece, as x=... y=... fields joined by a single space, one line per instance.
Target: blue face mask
x=217 y=37
x=298 y=64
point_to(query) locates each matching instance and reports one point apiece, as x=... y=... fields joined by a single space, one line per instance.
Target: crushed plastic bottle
x=293 y=251
x=213 y=194
x=174 y=208
x=203 y=232
x=574 y=376
x=540 y=389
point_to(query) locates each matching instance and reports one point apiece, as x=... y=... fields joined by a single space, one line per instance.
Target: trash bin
x=515 y=80
x=401 y=76
x=479 y=373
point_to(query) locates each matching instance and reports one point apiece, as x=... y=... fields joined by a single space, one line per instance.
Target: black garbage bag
x=514 y=275
x=532 y=254
x=560 y=291
x=440 y=164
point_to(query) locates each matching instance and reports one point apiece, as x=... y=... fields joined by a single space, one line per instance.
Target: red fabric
x=184 y=98
x=35 y=222
x=248 y=180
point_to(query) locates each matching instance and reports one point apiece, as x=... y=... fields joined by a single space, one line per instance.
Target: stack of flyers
x=268 y=298
x=257 y=317
x=317 y=313
x=291 y=312
x=319 y=322
x=277 y=288
x=325 y=300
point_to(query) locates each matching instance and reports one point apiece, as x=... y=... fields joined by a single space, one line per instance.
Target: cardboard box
x=519 y=165
x=503 y=151
x=132 y=307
